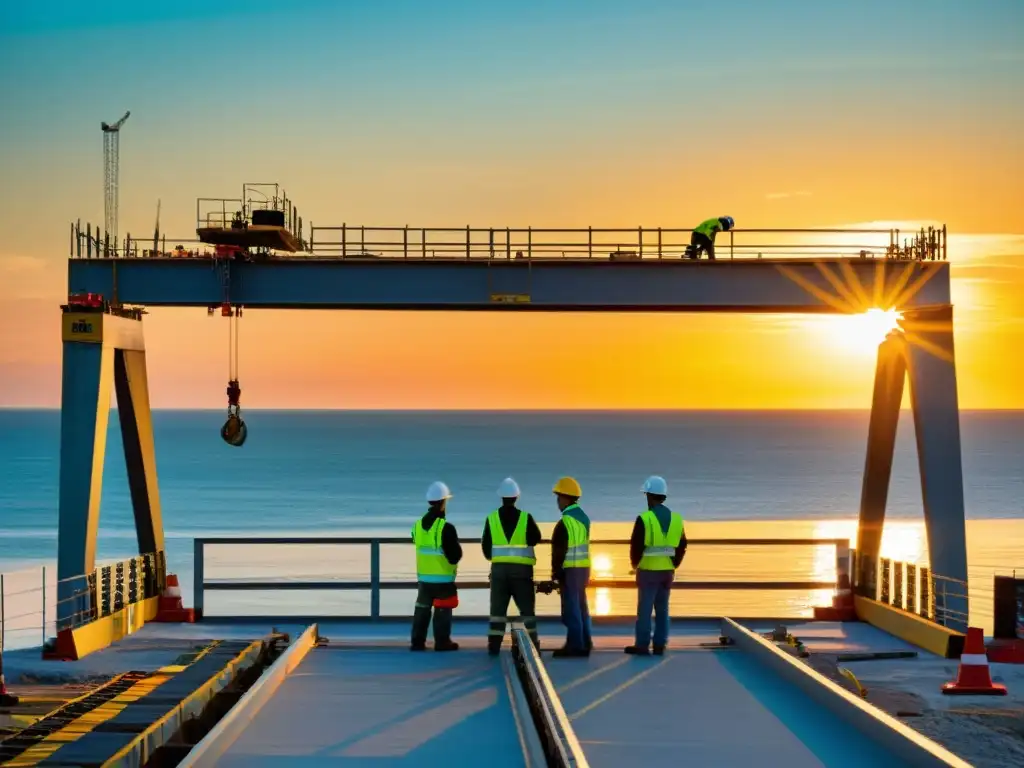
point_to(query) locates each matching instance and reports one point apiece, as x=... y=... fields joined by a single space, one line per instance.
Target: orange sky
x=530 y=121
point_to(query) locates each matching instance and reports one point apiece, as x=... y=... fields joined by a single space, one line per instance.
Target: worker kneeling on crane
x=438 y=553
x=508 y=541
x=656 y=550
x=703 y=238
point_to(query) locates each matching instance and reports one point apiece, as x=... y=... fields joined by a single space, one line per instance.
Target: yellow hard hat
x=567 y=486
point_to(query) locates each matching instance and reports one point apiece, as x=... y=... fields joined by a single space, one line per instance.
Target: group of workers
x=657 y=547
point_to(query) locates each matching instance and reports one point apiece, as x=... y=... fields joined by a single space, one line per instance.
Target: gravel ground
x=986 y=738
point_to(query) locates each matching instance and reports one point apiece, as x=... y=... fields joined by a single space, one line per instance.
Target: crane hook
x=234 y=432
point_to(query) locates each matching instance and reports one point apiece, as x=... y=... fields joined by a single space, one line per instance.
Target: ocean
x=336 y=473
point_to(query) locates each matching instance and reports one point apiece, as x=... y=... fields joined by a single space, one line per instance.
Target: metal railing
x=375 y=584
x=914 y=588
x=33 y=604
x=514 y=244
x=561 y=746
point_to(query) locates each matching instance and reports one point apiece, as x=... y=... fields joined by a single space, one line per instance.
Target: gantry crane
x=111 y=145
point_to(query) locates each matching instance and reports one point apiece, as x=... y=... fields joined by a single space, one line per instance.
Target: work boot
x=446 y=646
x=659 y=650
x=418 y=647
x=493 y=650
x=634 y=650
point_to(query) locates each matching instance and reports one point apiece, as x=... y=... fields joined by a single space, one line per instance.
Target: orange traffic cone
x=170 y=607
x=973 y=678
x=6 y=698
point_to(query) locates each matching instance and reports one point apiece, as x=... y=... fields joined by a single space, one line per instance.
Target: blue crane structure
x=261 y=258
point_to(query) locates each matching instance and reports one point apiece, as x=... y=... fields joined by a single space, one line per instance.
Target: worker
x=703 y=238
x=570 y=567
x=656 y=549
x=437 y=557
x=509 y=537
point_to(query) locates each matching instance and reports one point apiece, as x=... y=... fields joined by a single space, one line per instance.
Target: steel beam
x=649 y=285
x=101 y=353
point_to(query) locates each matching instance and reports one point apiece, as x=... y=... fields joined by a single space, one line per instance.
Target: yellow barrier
x=947 y=643
x=74 y=644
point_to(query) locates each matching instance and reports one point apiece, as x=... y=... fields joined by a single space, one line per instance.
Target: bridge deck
x=349 y=706
x=700 y=707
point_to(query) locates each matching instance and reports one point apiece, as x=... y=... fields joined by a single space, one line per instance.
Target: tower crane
x=111 y=143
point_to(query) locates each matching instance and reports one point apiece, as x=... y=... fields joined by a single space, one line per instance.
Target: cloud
x=787 y=195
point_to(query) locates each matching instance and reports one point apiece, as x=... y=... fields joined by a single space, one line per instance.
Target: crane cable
x=234 y=431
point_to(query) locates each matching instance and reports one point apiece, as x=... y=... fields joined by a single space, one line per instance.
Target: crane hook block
x=234 y=393
x=234 y=432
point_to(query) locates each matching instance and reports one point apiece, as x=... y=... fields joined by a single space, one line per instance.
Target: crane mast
x=111 y=147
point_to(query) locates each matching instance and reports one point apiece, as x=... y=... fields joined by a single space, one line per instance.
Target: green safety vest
x=709 y=227
x=514 y=551
x=660 y=547
x=431 y=564
x=578 y=553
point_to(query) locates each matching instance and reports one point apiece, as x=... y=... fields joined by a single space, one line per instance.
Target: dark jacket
x=560 y=541
x=636 y=541
x=509 y=517
x=449 y=536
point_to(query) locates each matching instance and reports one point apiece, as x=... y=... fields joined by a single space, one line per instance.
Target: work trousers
x=511 y=581
x=653 y=589
x=425 y=597
x=699 y=242
x=575 y=612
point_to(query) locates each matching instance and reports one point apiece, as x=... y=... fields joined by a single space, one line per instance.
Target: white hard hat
x=438 y=491
x=656 y=485
x=508 y=489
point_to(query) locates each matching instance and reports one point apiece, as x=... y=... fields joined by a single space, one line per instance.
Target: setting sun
x=861 y=333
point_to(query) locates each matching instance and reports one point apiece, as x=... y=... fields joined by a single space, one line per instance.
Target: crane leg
x=102 y=353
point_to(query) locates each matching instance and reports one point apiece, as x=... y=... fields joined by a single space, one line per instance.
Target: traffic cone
x=973 y=678
x=6 y=698
x=170 y=608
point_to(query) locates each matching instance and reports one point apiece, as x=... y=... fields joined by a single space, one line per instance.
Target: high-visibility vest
x=709 y=227
x=578 y=553
x=660 y=547
x=431 y=564
x=506 y=551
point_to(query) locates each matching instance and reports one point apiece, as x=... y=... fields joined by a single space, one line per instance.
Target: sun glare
x=863 y=332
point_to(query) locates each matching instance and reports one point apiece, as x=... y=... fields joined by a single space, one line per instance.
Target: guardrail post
x=375 y=579
x=405 y=242
x=911 y=588
x=529 y=242
x=467 y=241
x=886 y=571
x=732 y=242
x=590 y=242
x=640 y=239
x=344 y=239
x=198 y=577
x=659 y=242
x=926 y=594
x=44 y=606
x=897 y=586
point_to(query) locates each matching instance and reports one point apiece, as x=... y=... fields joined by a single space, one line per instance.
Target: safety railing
x=35 y=605
x=561 y=746
x=516 y=244
x=386 y=564
x=913 y=588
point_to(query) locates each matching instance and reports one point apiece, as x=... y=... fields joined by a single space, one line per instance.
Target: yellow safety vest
x=431 y=564
x=578 y=553
x=514 y=551
x=660 y=547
